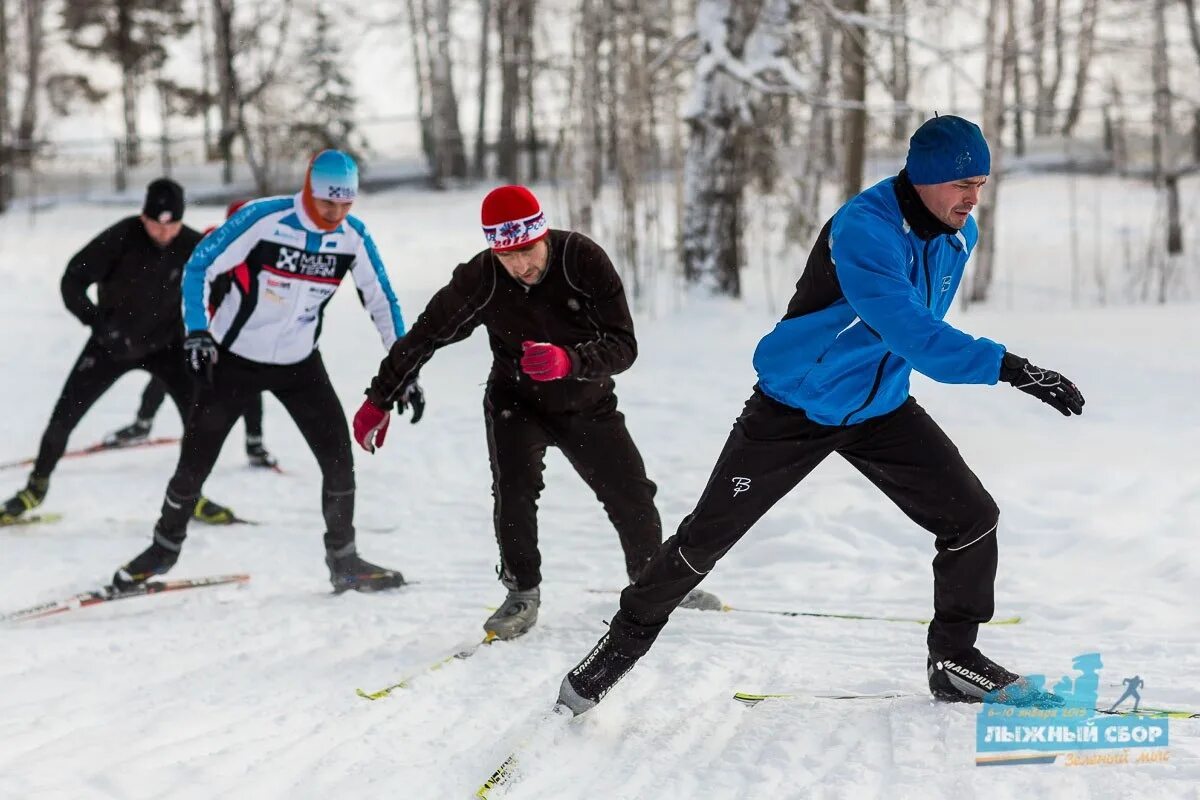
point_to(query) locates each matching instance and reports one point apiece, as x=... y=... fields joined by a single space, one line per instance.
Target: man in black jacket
x=136 y=324
x=559 y=329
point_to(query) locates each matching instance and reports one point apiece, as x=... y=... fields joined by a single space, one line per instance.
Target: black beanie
x=164 y=201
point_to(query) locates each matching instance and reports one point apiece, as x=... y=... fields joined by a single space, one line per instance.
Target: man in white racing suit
x=287 y=256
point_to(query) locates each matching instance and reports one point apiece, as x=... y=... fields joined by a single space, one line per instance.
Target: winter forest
x=344 y=635
x=699 y=136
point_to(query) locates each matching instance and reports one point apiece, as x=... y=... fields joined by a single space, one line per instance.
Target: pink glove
x=370 y=426
x=543 y=361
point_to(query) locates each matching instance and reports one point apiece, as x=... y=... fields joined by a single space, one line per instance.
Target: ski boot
x=213 y=513
x=351 y=571
x=972 y=677
x=30 y=497
x=157 y=559
x=258 y=455
x=586 y=685
x=136 y=433
x=516 y=615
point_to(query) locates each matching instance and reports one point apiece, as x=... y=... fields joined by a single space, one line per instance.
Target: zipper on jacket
x=874 y=388
x=928 y=284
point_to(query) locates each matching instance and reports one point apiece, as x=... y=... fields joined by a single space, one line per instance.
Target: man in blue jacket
x=833 y=377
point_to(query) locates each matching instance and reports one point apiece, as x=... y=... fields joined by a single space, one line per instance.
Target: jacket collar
x=919 y=218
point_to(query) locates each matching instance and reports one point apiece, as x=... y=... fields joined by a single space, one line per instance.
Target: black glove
x=200 y=352
x=115 y=343
x=1044 y=384
x=411 y=395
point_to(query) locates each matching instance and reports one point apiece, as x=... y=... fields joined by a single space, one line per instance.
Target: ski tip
x=372 y=695
x=1006 y=621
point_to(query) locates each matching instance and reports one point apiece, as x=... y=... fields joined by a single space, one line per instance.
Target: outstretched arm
x=451 y=315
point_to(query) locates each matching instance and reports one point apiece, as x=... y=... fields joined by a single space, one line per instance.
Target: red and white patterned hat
x=512 y=218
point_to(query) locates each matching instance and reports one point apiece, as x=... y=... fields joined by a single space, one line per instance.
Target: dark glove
x=200 y=352
x=115 y=343
x=1044 y=384
x=411 y=395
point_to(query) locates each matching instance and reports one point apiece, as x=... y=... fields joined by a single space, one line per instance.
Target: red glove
x=543 y=361
x=370 y=426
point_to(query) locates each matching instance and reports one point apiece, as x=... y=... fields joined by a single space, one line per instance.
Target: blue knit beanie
x=947 y=149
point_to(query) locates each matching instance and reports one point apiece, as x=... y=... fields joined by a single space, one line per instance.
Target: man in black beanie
x=135 y=324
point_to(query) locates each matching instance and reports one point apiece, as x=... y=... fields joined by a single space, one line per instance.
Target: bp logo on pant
x=1080 y=731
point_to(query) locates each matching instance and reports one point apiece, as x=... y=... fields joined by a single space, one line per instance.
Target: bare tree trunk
x=714 y=169
x=527 y=16
x=1012 y=61
x=825 y=133
x=993 y=128
x=587 y=138
x=901 y=69
x=34 y=11
x=1164 y=158
x=130 y=81
x=1037 y=55
x=418 y=35
x=1087 y=42
x=227 y=86
x=485 y=30
x=1160 y=74
x=1047 y=93
x=507 y=19
x=1193 y=26
x=854 y=89
x=5 y=119
x=206 y=76
x=450 y=160
x=1116 y=110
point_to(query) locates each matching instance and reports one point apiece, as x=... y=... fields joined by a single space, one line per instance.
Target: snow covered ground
x=249 y=693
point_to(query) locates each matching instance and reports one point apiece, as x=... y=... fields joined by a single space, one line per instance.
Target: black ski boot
x=136 y=433
x=157 y=559
x=972 y=677
x=351 y=571
x=30 y=497
x=592 y=678
x=258 y=455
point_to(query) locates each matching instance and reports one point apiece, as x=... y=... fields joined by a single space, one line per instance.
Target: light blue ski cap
x=333 y=175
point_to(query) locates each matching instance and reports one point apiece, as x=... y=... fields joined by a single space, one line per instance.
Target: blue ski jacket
x=870 y=307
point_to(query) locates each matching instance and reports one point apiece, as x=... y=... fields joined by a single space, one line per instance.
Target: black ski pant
x=598 y=445
x=771 y=448
x=94 y=373
x=307 y=395
x=156 y=391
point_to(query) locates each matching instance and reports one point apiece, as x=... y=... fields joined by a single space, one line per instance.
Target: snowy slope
x=249 y=693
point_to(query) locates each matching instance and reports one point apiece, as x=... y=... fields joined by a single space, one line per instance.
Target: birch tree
x=33 y=24
x=854 y=91
x=450 y=156
x=1086 y=48
x=984 y=257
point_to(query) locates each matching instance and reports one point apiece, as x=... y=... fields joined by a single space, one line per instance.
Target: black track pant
x=94 y=373
x=307 y=395
x=597 y=444
x=772 y=448
x=156 y=391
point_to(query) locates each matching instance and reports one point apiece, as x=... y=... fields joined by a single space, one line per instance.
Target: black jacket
x=579 y=304
x=138 y=292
